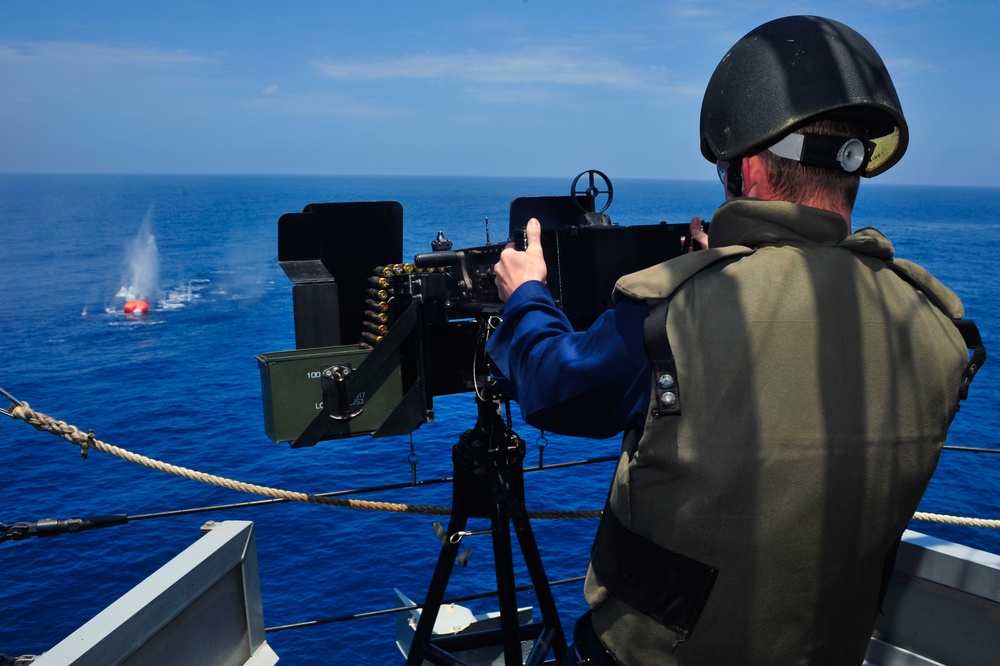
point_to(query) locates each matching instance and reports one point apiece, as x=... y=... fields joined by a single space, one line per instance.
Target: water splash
x=142 y=260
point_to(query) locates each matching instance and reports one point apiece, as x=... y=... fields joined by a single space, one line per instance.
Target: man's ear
x=756 y=183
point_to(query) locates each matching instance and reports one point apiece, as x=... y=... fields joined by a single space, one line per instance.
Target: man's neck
x=757 y=184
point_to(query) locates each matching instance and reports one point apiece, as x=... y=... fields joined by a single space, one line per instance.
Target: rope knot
x=18 y=411
x=86 y=444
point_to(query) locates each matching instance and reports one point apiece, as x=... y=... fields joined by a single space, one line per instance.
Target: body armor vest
x=753 y=514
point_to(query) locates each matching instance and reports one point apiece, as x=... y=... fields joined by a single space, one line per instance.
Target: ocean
x=182 y=385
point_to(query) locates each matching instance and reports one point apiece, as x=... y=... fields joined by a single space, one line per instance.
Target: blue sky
x=534 y=88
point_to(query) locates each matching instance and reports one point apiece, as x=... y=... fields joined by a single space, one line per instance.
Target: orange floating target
x=137 y=307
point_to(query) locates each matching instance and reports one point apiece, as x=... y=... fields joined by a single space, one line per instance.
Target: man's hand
x=515 y=268
x=697 y=235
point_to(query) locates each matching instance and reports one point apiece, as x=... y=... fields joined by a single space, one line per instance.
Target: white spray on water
x=142 y=280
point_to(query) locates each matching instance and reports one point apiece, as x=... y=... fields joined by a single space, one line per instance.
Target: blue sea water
x=181 y=385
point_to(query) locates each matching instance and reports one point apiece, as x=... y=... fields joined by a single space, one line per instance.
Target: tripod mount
x=488 y=482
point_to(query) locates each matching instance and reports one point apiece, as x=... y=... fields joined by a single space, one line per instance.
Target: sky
x=447 y=87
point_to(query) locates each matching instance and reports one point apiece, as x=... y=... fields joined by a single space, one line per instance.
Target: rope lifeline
x=87 y=441
x=956 y=520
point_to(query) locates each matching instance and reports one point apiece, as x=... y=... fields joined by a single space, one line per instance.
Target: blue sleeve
x=588 y=383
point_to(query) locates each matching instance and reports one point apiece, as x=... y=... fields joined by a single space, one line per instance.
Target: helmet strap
x=734 y=178
x=829 y=152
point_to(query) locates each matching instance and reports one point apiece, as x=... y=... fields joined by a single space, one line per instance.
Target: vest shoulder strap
x=663 y=279
x=949 y=303
x=944 y=298
x=655 y=286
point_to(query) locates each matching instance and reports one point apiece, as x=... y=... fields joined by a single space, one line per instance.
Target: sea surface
x=182 y=385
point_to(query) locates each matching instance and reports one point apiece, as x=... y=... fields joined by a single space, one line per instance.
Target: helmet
x=792 y=71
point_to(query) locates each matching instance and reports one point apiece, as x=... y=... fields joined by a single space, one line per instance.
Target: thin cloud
x=560 y=66
x=90 y=54
x=693 y=9
x=910 y=66
x=899 y=4
x=319 y=104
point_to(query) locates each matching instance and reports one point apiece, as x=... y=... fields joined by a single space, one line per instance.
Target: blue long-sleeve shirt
x=589 y=383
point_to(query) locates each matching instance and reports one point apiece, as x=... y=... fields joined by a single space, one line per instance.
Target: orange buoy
x=138 y=307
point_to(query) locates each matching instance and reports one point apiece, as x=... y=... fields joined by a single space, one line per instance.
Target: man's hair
x=794 y=182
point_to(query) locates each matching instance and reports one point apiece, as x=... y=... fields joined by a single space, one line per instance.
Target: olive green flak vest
x=816 y=379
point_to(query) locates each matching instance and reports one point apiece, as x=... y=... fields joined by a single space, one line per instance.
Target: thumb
x=533 y=235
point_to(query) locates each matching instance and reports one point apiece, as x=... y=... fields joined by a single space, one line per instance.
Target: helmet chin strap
x=829 y=152
x=734 y=178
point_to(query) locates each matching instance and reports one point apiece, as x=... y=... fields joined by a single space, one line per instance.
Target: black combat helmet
x=795 y=70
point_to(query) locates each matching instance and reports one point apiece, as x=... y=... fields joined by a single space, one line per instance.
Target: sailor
x=784 y=394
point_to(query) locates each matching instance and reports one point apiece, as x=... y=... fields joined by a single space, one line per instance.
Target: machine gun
x=415 y=330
